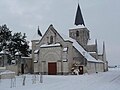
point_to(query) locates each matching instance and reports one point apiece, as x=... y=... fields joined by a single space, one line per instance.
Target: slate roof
x=79 y=18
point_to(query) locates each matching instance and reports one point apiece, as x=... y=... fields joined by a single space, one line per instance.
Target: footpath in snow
x=102 y=81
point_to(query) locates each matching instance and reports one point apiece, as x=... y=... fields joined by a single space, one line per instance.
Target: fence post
x=24 y=77
x=41 y=78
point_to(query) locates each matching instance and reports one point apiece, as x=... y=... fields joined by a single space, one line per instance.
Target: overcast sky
x=102 y=18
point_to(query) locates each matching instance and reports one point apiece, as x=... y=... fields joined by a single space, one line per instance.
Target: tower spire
x=104 y=48
x=104 y=52
x=79 y=19
x=39 y=33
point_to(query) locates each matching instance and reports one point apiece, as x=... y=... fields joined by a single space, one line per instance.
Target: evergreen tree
x=13 y=43
x=5 y=36
x=20 y=44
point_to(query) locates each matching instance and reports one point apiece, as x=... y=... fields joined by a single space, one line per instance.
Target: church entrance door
x=52 y=68
x=22 y=68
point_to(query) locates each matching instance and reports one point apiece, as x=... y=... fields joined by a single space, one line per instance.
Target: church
x=58 y=54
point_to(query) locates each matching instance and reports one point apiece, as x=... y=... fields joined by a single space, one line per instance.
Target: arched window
x=77 y=33
x=51 y=39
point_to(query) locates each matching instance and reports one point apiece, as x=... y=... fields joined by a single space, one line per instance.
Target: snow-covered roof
x=91 y=42
x=6 y=72
x=36 y=51
x=100 y=61
x=83 y=52
x=80 y=49
x=78 y=26
x=35 y=61
x=50 y=45
x=64 y=60
x=37 y=42
x=92 y=52
x=65 y=49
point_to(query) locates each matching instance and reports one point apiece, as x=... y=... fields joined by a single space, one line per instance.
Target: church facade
x=56 y=53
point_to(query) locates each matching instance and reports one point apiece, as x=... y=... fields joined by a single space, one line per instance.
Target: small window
x=51 y=39
x=77 y=33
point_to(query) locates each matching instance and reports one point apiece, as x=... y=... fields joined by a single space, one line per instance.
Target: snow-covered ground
x=102 y=81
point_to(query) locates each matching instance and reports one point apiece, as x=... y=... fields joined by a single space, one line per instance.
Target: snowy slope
x=102 y=81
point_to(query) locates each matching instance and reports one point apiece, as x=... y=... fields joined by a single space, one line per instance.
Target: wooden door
x=22 y=68
x=52 y=68
x=81 y=70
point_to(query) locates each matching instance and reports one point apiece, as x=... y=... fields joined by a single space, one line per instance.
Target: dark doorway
x=81 y=70
x=22 y=68
x=52 y=68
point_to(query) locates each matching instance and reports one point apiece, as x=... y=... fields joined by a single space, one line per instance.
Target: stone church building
x=56 y=53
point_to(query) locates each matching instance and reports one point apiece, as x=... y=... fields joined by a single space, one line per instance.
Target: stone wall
x=13 y=68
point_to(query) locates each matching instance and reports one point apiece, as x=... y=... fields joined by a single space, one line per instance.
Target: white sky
x=101 y=18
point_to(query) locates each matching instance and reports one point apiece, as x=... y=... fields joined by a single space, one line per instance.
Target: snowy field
x=102 y=81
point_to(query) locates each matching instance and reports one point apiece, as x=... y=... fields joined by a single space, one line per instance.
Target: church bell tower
x=80 y=33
